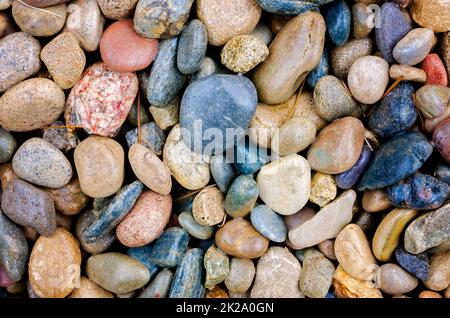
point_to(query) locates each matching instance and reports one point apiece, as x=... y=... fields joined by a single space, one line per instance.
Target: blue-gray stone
x=114 y=212
x=268 y=223
x=165 y=80
x=13 y=249
x=418 y=265
x=321 y=69
x=291 y=7
x=418 y=192
x=396 y=113
x=152 y=137
x=142 y=254
x=395 y=160
x=241 y=196
x=192 y=47
x=222 y=171
x=394 y=24
x=198 y=231
x=188 y=279
x=7 y=145
x=158 y=287
x=170 y=247
x=348 y=179
x=216 y=111
x=442 y=172
x=248 y=157
x=338 y=19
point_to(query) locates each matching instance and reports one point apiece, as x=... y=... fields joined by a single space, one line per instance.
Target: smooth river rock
x=394 y=280
x=316 y=275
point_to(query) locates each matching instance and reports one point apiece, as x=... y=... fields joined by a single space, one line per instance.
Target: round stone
x=192 y=47
x=208 y=207
x=241 y=196
x=415 y=46
x=89 y=289
x=343 y=57
x=432 y=14
x=439 y=276
x=323 y=189
x=394 y=280
x=294 y=136
x=316 y=275
x=243 y=52
x=117 y=9
x=241 y=274
x=268 y=223
x=375 y=201
x=195 y=229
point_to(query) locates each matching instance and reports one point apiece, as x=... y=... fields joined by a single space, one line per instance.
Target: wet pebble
x=268 y=223
x=338 y=19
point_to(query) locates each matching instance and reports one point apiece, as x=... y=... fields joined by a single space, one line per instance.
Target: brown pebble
x=69 y=200
x=429 y=294
x=89 y=289
x=375 y=201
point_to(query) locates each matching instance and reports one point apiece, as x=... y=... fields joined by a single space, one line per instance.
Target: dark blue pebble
x=321 y=69
x=222 y=171
x=396 y=113
x=142 y=254
x=291 y=7
x=188 y=279
x=418 y=265
x=348 y=179
x=249 y=158
x=442 y=172
x=418 y=192
x=152 y=137
x=114 y=212
x=170 y=247
x=338 y=19
x=192 y=47
x=395 y=160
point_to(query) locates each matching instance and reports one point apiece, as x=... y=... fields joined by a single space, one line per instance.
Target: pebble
x=142 y=255
x=190 y=169
x=361 y=18
x=343 y=57
x=222 y=172
x=8 y=145
x=243 y=52
x=394 y=25
x=102 y=243
x=428 y=230
x=195 y=229
x=290 y=7
x=320 y=70
x=395 y=114
x=418 y=265
x=167 y=116
x=331 y=219
x=5 y=4
x=415 y=46
x=368 y=222
x=240 y=239
x=13 y=251
x=6 y=174
x=6 y=26
x=188 y=278
x=441 y=139
x=439 y=276
x=323 y=189
x=89 y=289
x=116 y=272
x=445 y=51
x=327 y=248
x=435 y=70
x=432 y=100
x=354 y=254
x=388 y=233
x=295 y=220
x=152 y=137
x=442 y=172
x=69 y=199
x=62 y=138
x=394 y=280
x=395 y=160
x=99 y=162
x=292 y=57
x=240 y=276
x=117 y=9
x=407 y=73
x=192 y=47
x=54 y=266
x=208 y=207
x=294 y=136
x=159 y=287
x=20 y=59
x=146 y=220
x=429 y=294
x=368 y=78
x=241 y=196
x=85 y=22
x=431 y=14
x=38 y=102
x=37 y=211
x=316 y=275
x=345 y=286
x=149 y=169
x=217 y=267
x=348 y=179
x=282 y=283
x=123 y=50
x=208 y=67
x=268 y=223
x=338 y=18
x=101 y=100
x=289 y=178
x=263 y=32
x=337 y=147
x=170 y=247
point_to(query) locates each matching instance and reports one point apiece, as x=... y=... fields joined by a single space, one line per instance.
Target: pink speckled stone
x=435 y=69
x=5 y=280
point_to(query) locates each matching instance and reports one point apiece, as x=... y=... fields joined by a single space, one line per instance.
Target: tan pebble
x=166 y=116
x=439 y=275
x=6 y=174
x=430 y=294
x=407 y=73
x=207 y=208
x=345 y=286
x=375 y=201
x=89 y=289
x=240 y=276
x=432 y=14
x=243 y=52
x=294 y=135
x=69 y=200
x=323 y=189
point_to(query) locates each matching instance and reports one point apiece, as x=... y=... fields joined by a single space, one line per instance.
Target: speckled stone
x=290 y=7
x=188 y=278
x=431 y=14
x=170 y=247
x=20 y=59
x=268 y=223
x=152 y=137
x=435 y=70
x=142 y=255
x=54 y=266
x=217 y=267
x=428 y=230
x=316 y=275
x=415 y=46
x=63 y=139
x=338 y=19
x=208 y=207
x=5 y=4
x=241 y=274
x=320 y=70
x=192 y=47
x=445 y=51
x=117 y=9
x=362 y=18
x=348 y=179
x=167 y=116
x=342 y=57
x=395 y=160
x=89 y=289
x=159 y=287
x=241 y=196
x=407 y=73
x=442 y=172
x=222 y=172
x=346 y=286
x=439 y=276
x=195 y=229
x=8 y=145
x=69 y=200
x=243 y=52
x=99 y=245
x=323 y=189
x=117 y=272
x=394 y=280
x=432 y=100
x=418 y=265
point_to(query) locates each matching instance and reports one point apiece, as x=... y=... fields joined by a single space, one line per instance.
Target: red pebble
x=5 y=280
x=435 y=70
x=123 y=50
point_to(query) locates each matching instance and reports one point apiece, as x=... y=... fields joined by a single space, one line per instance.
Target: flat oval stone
x=123 y=50
x=431 y=14
x=241 y=196
x=8 y=145
x=14 y=250
x=415 y=46
x=192 y=47
x=146 y=220
x=428 y=230
x=432 y=100
x=240 y=239
x=375 y=201
x=332 y=99
x=290 y=7
x=289 y=178
x=32 y=104
x=346 y=286
x=343 y=57
x=149 y=169
x=243 y=52
x=102 y=243
x=294 y=136
x=326 y=224
x=222 y=172
x=348 y=179
x=435 y=70
x=248 y=157
x=394 y=280
x=159 y=287
x=170 y=247
x=195 y=229
x=54 y=266
x=89 y=289
x=439 y=277
x=20 y=59
x=188 y=278
x=190 y=169
x=396 y=113
x=217 y=267
x=99 y=162
x=394 y=25
x=282 y=283
x=320 y=70
x=208 y=207
x=116 y=272
x=323 y=189
x=152 y=137
x=241 y=274
x=338 y=19
x=37 y=211
x=268 y=223
x=361 y=15
x=235 y=101
x=387 y=235
x=407 y=73
x=101 y=100
x=292 y=57
x=142 y=255
x=368 y=78
x=418 y=265
x=316 y=275
x=117 y=9
x=338 y=146
x=69 y=200
x=395 y=160
x=39 y=162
